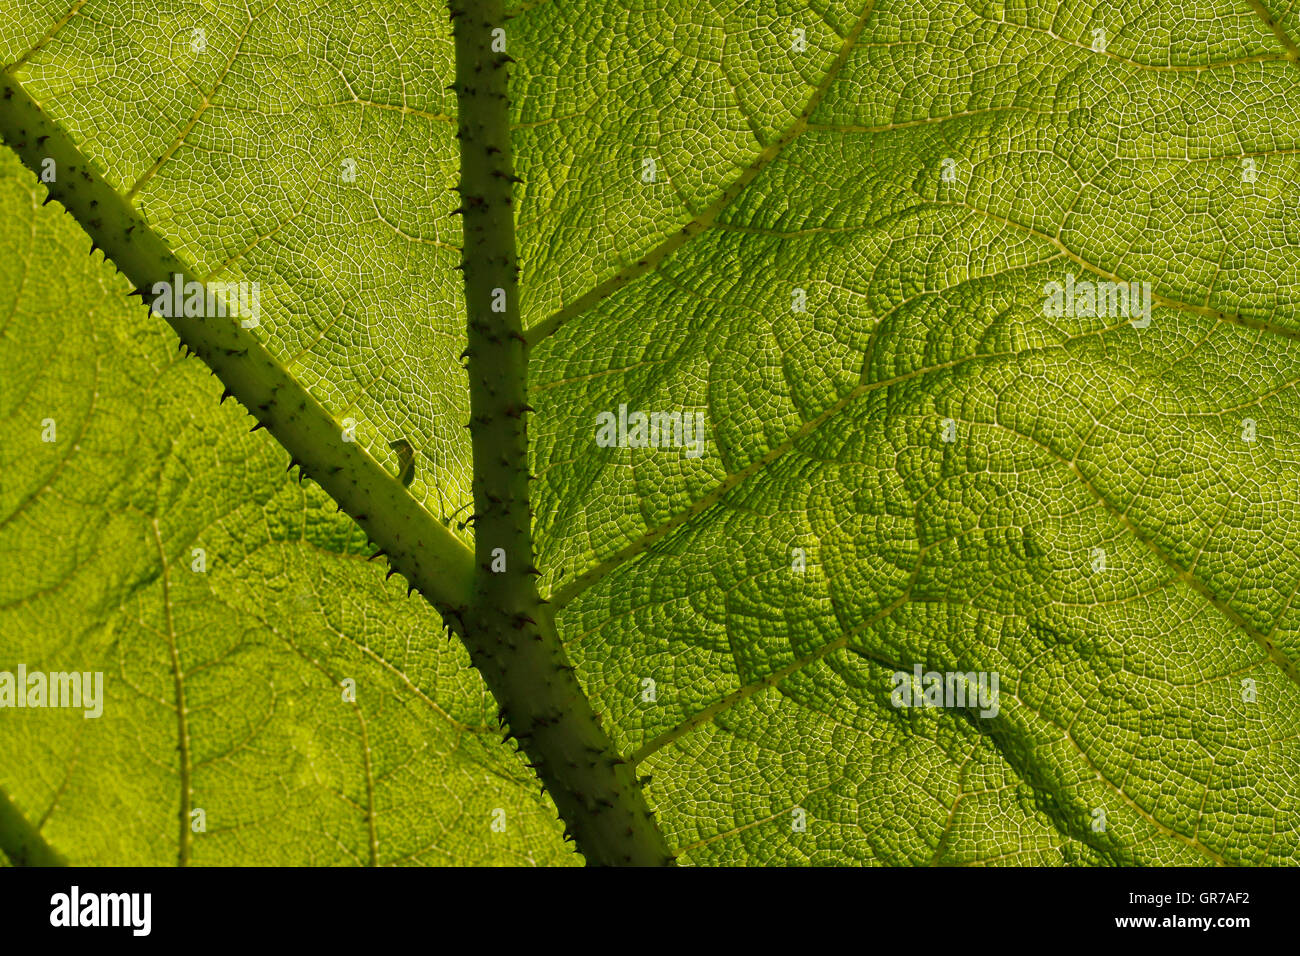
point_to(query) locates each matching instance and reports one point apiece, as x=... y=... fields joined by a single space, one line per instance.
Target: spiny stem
x=509 y=630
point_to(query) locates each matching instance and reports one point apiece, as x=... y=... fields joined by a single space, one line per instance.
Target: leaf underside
x=1167 y=157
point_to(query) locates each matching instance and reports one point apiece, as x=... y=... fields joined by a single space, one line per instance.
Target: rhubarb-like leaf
x=868 y=343
x=840 y=258
x=267 y=697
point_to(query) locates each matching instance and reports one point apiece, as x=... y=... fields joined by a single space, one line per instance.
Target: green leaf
x=223 y=688
x=1121 y=691
x=830 y=232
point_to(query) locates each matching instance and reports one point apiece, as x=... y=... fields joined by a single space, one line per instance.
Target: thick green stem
x=423 y=551
x=509 y=631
